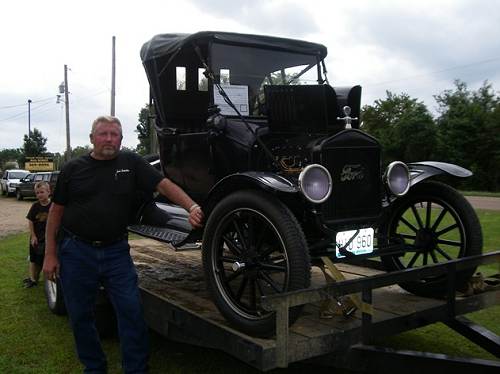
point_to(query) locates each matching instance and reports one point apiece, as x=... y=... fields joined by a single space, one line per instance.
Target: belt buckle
x=96 y=243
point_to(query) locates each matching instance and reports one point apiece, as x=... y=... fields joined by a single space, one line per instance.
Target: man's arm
x=51 y=263
x=175 y=194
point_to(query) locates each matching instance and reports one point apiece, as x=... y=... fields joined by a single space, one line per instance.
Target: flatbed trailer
x=178 y=306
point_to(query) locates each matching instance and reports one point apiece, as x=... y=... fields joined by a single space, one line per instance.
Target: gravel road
x=13 y=212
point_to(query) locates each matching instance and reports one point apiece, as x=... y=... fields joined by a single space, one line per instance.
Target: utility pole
x=66 y=104
x=113 y=73
x=29 y=118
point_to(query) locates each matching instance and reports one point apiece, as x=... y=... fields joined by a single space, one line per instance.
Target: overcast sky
x=418 y=47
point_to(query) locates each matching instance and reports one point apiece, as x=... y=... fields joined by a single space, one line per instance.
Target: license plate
x=361 y=244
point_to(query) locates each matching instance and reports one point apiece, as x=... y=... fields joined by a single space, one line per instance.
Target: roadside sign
x=39 y=163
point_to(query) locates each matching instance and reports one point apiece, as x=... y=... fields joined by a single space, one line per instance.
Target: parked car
x=26 y=186
x=10 y=180
x=250 y=127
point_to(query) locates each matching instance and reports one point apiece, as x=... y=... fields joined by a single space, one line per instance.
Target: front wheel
x=252 y=247
x=19 y=195
x=433 y=223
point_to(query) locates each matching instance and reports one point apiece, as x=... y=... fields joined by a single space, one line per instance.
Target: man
x=92 y=202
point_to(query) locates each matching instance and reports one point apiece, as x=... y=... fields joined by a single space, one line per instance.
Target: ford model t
x=251 y=128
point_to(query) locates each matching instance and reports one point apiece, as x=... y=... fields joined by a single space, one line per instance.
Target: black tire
x=54 y=297
x=3 y=191
x=253 y=246
x=19 y=195
x=434 y=224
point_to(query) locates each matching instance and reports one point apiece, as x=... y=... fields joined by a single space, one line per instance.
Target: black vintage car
x=251 y=128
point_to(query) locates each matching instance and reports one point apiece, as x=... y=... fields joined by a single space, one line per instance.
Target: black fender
x=420 y=171
x=266 y=181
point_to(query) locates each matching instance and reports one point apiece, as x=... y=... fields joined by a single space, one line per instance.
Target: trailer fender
x=266 y=181
x=420 y=171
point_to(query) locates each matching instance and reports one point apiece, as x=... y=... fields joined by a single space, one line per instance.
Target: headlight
x=397 y=178
x=315 y=183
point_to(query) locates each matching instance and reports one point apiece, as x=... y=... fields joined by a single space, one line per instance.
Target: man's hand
x=34 y=241
x=51 y=266
x=196 y=217
x=177 y=195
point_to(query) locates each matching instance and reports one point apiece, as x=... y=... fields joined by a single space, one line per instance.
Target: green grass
x=480 y=193
x=438 y=338
x=32 y=340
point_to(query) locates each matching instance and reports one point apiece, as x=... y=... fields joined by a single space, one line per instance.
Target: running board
x=166 y=235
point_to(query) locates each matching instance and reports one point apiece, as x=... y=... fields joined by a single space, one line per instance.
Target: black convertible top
x=164 y=45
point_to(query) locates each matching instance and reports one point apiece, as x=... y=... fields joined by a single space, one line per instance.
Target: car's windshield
x=249 y=69
x=17 y=174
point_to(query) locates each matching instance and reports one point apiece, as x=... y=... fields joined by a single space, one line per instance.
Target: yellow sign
x=39 y=164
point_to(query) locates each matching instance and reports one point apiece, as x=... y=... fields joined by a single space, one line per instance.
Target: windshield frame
x=251 y=66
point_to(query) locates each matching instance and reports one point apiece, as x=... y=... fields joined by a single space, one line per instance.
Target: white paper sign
x=238 y=96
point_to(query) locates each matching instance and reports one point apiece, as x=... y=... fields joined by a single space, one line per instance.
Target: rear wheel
x=433 y=223
x=54 y=296
x=252 y=247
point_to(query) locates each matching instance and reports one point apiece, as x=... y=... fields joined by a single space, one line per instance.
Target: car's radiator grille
x=356 y=182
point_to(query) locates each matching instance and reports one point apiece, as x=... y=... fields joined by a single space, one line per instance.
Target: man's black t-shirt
x=38 y=215
x=98 y=195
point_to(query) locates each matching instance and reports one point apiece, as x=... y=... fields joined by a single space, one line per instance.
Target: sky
x=416 y=47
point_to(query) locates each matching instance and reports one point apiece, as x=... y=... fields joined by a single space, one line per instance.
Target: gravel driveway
x=13 y=212
x=13 y=215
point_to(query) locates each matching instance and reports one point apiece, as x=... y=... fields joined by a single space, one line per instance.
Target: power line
x=78 y=100
x=23 y=113
x=19 y=105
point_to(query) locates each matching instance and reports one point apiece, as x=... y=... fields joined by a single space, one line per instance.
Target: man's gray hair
x=105 y=119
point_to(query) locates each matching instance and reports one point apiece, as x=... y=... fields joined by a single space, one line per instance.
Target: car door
x=26 y=185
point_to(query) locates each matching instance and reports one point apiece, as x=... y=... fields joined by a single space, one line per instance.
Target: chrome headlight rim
x=302 y=175
x=389 y=169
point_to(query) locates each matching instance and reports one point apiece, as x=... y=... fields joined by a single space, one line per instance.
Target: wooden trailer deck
x=178 y=306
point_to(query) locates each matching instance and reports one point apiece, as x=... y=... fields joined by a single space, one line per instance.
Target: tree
x=143 y=130
x=80 y=151
x=9 y=157
x=469 y=132
x=34 y=145
x=403 y=126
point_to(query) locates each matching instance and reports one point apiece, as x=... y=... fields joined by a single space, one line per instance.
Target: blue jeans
x=83 y=268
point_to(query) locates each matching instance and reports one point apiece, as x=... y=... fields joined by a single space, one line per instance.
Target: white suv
x=10 y=180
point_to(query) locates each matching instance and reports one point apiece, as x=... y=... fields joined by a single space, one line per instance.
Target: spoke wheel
x=433 y=224
x=253 y=247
